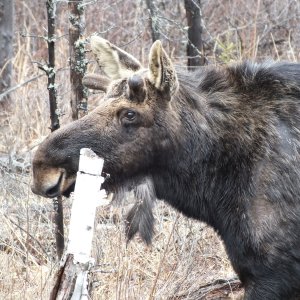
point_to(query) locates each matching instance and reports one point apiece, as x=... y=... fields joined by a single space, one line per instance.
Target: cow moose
x=221 y=145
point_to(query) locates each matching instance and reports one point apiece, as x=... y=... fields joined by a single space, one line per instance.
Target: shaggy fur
x=140 y=218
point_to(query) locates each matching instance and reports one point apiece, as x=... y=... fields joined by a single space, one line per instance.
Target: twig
x=19 y=85
x=2 y=95
x=275 y=48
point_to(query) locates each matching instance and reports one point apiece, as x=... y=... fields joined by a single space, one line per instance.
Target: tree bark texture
x=154 y=24
x=195 y=44
x=78 y=61
x=6 y=44
x=54 y=116
x=50 y=70
x=64 y=280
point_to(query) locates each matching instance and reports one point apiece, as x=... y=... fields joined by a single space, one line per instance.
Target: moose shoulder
x=221 y=145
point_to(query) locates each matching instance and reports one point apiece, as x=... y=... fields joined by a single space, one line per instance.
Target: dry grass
x=185 y=254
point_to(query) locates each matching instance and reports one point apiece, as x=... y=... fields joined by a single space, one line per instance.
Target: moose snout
x=53 y=190
x=50 y=192
x=48 y=183
x=52 y=182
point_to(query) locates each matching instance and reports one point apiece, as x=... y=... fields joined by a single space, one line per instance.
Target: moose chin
x=220 y=144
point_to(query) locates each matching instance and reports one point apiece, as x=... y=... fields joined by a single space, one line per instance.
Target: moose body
x=221 y=145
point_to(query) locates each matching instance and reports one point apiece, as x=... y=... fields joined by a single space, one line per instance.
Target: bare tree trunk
x=50 y=69
x=78 y=62
x=54 y=116
x=153 y=20
x=6 y=44
x=195 y=45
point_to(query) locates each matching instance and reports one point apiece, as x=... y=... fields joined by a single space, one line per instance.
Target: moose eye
x=130 y=115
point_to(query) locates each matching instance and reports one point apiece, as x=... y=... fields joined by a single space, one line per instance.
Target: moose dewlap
x=221 y=145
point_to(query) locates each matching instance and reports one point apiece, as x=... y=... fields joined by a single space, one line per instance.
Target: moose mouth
x=63 y=187
x=71 y=187
x=55 y=190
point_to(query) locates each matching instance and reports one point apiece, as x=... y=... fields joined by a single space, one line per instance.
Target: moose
x=220 y=144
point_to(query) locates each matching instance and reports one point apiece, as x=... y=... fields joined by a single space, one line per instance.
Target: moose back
x=221 y=145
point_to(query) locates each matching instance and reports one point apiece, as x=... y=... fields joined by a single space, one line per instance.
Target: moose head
x=127 y=129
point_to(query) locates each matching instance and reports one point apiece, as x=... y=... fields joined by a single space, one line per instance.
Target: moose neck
x=204 y=174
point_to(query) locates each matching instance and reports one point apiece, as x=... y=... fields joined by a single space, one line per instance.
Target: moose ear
x=162 y=73
x=115 y=62
x=96 y=82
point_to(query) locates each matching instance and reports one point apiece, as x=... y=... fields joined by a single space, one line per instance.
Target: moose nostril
x=54 y=191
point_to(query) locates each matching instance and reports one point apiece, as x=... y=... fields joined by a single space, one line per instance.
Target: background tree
x=6 y=43
x=77 y=58
x=195 y=44
x=154 y=24
x=49 y=68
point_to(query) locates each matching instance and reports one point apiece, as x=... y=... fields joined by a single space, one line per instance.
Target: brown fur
x=221 y=145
